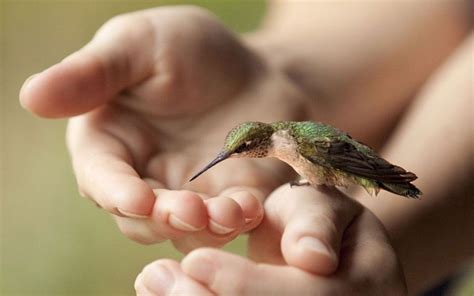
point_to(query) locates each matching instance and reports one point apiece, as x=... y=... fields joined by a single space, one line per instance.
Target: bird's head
x=248 y=139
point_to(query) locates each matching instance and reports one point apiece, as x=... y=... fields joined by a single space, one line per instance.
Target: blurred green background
x=54 y=242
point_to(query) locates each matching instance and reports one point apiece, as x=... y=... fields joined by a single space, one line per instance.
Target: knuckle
x=176 y=32
x=116 y=20
x=170 y=78
x=195 y=13
x=120 y=21
x=276 y=200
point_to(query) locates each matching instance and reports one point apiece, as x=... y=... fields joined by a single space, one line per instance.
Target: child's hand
x=151 y=99
x=309 y=243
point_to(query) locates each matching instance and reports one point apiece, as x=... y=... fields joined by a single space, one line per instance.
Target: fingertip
x=314 y=256
x=158 y=277
x=66 y=89
x=304 y=249
x=224 y=273
x=166 y=277
x=183 y=210
x=251 y=207
x=134 y=198
x=25 y=92
x=250 y=201
x=32 y=96
x=225 y=215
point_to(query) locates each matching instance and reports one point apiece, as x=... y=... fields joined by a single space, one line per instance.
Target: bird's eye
x=240 y=148
x=244 y=146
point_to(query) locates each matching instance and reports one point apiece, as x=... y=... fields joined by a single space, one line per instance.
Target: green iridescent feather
x=320 y=150
x=346 y=159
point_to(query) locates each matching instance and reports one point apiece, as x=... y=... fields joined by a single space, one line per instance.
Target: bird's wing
x=360 y=160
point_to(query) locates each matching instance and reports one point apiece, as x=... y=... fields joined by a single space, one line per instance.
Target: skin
x=212 y=272
x=445 y=211
x=160 y=131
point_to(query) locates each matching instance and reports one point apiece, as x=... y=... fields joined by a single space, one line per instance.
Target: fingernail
x=258 y=217
x=315 y=245
x=218 y=228
x=158 y=280
x=181 y=225
x=131 y=215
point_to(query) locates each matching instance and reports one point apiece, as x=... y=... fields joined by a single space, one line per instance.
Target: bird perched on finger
x=319 y=153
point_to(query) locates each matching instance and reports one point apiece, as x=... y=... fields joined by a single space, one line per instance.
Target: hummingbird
x=319 y=153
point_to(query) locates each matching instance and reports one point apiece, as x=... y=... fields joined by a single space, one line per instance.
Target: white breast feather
x=285 y=148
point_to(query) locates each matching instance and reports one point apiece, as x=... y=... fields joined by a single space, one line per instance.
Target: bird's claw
x=299 y=183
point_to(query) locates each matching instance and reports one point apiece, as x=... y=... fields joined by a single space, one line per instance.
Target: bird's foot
x=300 y=183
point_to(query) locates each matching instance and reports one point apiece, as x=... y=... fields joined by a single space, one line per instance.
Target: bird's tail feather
x=405 y=189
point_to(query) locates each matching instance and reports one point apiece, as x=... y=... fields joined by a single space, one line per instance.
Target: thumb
x=198 y=60
x=313 y=225
x=115 y=58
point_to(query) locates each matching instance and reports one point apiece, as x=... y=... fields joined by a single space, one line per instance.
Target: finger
x=102 y=165
x=117 y=57
x=176 y=214
x=183 y=216
x=227 y=274
x=225 y=225
x=225 y=215
x=369 y=265
x=234 y=211
x=139 y=230
x=154 y=44
x=313 y=225
x=250 y=200
x=165 y=277
x=179 y=211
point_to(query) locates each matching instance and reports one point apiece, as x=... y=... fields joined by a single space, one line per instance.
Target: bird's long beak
x=223 y=155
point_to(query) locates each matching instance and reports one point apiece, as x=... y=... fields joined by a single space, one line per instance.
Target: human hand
x=309 y=243
x=151 y=98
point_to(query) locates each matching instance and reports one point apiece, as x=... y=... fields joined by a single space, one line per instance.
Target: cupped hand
x=309 y=243
x=150 y=100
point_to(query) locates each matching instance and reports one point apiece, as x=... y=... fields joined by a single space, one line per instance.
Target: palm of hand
x=155 y=103
x=169 y=149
